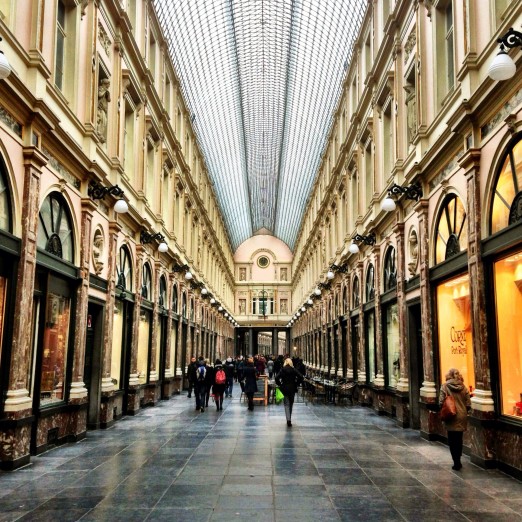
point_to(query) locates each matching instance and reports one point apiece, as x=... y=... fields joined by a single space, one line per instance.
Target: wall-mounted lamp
x=317 y=291
x=146 y=238
x=303 y=309
x=367 y=240
x=343 y=269
x=220 y=309
x=413 y=192
x=212 y=301
x=326 y=285
x=98 y=191
x=310 y=302
x=5 y=68
x=180 y=268
x=503 y=67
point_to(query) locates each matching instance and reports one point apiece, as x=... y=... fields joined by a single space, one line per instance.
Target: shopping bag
x=278 y=396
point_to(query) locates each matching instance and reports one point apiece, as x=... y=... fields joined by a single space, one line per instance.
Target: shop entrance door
x=416 y=372
x=93 y=363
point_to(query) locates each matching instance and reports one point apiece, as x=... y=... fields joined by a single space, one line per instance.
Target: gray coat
x=462 y=401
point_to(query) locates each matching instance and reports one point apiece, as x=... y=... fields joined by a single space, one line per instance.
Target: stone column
x=481 y=434
x=153 y=372
x=112 y=246
x=18 y=404
x=402 y=385
x=15 y=433
x=78 y=392
x=379 y=352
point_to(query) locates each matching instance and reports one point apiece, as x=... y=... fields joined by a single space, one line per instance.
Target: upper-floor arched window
x=451 y=233
x=175 y=298
x=146 y=283
x=506 y=207
x=162 y=297
x=370 y=283
x=5 y=200
x=124 y=270
x=390 y=270
x=55 y=233
x=184 y=304
x=356 y=299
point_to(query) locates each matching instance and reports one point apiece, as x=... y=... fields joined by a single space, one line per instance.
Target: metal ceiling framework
x=261 y=79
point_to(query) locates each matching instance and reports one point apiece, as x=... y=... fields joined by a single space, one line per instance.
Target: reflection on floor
x=175 y=464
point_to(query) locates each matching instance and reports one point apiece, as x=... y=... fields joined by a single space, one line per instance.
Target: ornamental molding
x=410 y=44
x=104 y=39
x=507 y=109
x=59 y=167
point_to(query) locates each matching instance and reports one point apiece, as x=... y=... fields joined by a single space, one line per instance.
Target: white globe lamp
x=388 y=205
x=163 y=247
x=353 y=248
x=502 y=67
x=121 y=206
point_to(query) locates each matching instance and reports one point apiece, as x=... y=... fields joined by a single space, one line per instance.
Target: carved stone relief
x=98 y=247
x=413 y=251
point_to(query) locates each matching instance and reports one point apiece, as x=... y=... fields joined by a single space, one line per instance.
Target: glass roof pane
x=261 y=79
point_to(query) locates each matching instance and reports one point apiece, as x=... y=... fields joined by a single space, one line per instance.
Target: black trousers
x=455 y=445
x=250 y=397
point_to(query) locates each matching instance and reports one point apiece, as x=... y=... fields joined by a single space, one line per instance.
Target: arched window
x=175 y=298
x=390 y=270
x=370 y=283
x=146 y=283
x=5 y=200
x=184 y=304
x=54 y=229
x=124 y=270
x=355 y=293
x=162 y=297
x=506 y=208
x=451 y=234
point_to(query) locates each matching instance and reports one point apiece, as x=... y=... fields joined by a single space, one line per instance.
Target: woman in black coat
x=250 y=378
x=209 y=379
x=288 y=380
x=218 y=389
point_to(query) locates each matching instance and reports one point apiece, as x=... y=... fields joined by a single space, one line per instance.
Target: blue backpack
x=202 y=371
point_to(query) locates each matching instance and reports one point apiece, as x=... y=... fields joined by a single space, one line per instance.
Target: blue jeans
x=229 y=386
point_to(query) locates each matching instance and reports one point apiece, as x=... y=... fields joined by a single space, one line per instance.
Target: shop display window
x=143 y=345
x=392 y=344
x=3 y=294
x=117 y=344
x=54 y=355
x=508 y=300
x=454 y=329
x=370 y=345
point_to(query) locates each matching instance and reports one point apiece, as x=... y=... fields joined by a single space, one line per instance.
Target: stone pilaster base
x=402 y=410
x=483 y=439
x=431 y=426
x=132 y=401
x=15 y=440
x=152 y=394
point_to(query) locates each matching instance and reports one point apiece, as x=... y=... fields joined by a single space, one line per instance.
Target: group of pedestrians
x=207 y=380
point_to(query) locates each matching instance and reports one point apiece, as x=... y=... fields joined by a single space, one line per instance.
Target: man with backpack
x=191 y=375
x=200 y=385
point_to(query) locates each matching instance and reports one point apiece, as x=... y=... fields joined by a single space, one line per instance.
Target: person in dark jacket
x=191 y=375
x=209 y=380
x=250 y=378
x=200 y=386
x=218 y=389
x=229 y=370
x=456 y=427
x=288 y=380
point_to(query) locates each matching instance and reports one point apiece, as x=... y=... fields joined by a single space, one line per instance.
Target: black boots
x=289 y=423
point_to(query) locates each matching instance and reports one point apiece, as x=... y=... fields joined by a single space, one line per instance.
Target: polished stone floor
x=175 y=464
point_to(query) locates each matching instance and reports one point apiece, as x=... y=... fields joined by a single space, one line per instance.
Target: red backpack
x=220 y=377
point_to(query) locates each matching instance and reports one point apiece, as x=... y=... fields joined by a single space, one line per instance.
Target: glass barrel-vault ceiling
x=261 y=79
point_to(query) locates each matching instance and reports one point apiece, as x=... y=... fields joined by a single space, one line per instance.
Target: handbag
x=278 y=396
x=449 y=409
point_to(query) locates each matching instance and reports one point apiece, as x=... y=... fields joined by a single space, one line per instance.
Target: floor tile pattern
x=176 y=464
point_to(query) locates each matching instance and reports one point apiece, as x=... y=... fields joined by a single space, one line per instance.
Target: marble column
x=15 y=433
x=481 y=435
x=379 y=351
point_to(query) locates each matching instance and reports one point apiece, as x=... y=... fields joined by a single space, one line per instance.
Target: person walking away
x=191 y=375
x=240 y=366
x=250 y=378
x=456 y=427
x=220 y=382
x=200 y=386
x=270 y=367
x=288 y=380
x=209 y=380
x=229 y=370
